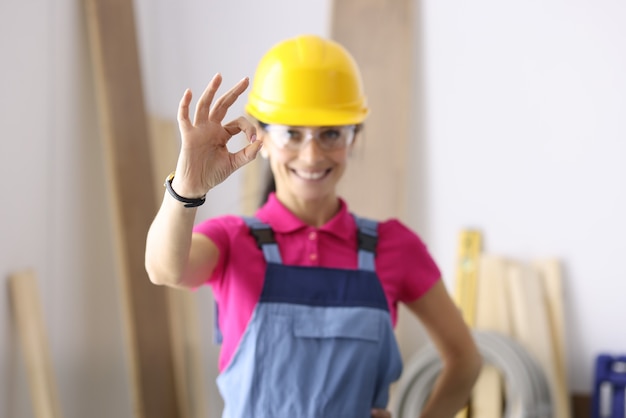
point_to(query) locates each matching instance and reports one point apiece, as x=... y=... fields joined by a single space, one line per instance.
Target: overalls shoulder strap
x=367 y=239
x=264 y=236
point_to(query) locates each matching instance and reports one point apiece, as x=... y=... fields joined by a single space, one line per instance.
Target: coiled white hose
x=527 y=391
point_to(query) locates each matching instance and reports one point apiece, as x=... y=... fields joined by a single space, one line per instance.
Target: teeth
x=311 y=175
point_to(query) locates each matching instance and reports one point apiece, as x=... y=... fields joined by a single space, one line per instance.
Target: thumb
x=247 y=153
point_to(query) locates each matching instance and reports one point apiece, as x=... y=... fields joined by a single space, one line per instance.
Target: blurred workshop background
x=517 y=129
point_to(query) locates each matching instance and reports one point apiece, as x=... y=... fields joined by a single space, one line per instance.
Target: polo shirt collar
x=282 y=220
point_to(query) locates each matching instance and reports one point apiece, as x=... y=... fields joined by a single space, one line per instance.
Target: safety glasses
x=294 y=138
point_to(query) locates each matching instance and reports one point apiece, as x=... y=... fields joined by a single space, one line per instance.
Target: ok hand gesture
x=204 y=160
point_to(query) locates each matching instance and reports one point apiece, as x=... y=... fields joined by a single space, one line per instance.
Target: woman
x=307 y=292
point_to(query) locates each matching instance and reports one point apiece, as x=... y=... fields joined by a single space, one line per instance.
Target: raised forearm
x=173 y=256
x=169 y=241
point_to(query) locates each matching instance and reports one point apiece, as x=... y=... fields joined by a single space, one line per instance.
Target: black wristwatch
x=189 y=203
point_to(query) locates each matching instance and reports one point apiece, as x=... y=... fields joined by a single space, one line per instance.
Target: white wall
x=54 y=215
x=519 y=131
x=525 y=140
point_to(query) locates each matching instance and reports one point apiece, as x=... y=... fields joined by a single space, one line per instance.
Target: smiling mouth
x=311 y=175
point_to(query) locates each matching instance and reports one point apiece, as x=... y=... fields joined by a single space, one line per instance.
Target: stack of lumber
x=519 y=299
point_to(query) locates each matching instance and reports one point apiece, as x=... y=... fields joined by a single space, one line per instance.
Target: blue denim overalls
x=320 y=342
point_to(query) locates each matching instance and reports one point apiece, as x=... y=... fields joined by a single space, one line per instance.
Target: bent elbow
x=475 y=366
x=467 y=366
x=156 y=275
x=153 y=277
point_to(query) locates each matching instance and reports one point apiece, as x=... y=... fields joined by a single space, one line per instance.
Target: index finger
x=241 y=124
x=218 y=112
x=204 y=103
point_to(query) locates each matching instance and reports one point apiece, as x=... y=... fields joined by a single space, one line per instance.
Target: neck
x=314 y=212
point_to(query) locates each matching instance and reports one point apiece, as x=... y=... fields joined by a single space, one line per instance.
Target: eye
x=293 y=135
x=330 y=135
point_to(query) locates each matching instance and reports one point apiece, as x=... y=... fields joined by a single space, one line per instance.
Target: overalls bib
x=320 y=342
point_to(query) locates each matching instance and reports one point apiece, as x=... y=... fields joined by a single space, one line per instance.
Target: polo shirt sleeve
x=406 y=268
x=221 y=230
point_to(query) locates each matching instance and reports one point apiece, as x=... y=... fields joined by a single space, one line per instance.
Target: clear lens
x=328 y=138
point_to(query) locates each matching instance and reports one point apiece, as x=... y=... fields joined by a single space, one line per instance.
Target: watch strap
x=189 y=203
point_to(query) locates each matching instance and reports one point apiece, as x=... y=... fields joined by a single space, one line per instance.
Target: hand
x=380 y=413
x=204 y=160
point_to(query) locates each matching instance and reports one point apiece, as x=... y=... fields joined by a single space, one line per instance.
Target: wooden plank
x=164 y=145
x=182 y=304
x=124 y=130
x=491 y=315
x=531 y=320
x=184 y=325
x=492 y=311
x=379 y=34
x=551 y=278
x=34 y=342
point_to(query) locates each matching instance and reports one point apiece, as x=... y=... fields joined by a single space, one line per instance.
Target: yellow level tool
x=468 y=254
x=468 y=257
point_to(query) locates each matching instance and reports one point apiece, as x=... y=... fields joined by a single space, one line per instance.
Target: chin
x=311 y=193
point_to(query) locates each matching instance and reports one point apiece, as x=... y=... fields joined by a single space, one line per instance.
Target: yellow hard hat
x=307 y=81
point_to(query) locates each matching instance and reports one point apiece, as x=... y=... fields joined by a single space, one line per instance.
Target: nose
x=310 y=151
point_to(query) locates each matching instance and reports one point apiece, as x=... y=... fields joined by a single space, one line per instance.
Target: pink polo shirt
x=404 y=266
